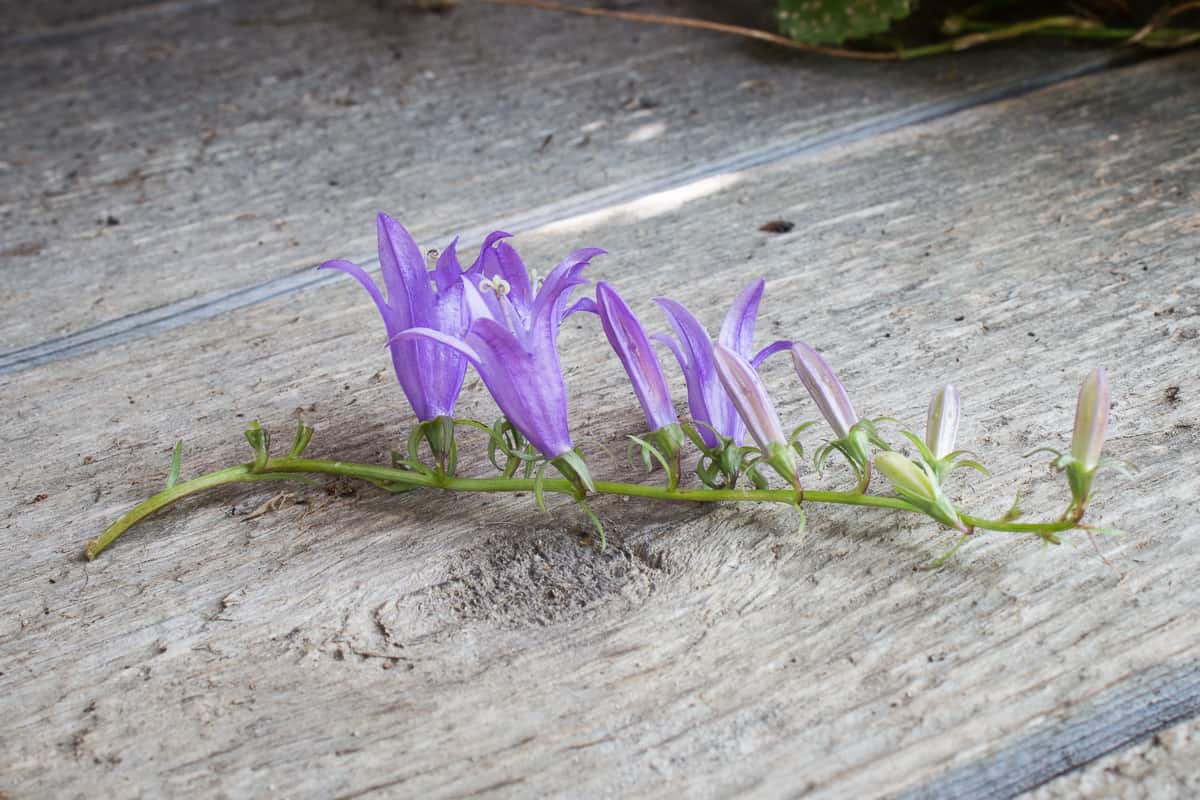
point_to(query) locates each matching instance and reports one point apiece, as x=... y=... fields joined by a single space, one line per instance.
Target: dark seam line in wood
x=1135 y=710
x=183 y=312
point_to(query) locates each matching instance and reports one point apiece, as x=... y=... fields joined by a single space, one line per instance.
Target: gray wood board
x=444 y=646
x=236 y=146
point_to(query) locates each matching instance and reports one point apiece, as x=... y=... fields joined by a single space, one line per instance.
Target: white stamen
x=497 y=284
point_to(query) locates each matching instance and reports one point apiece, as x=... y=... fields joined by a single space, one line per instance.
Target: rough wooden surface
x=354 y=644
x=157 y=167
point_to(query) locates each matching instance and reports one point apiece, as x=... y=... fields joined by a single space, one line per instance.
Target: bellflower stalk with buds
x=632 y=346
x=854 y=436
x=745 y=388
x=512 y=343
x=430 y=375
x=495 y=317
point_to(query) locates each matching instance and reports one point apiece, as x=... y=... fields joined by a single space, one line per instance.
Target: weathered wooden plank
x=431 y=646
x=1164 y=765
x=1145 y=703
x=223 y=172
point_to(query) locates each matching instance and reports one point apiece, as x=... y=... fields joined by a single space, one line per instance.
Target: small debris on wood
x=274 y=504
x=639 y=103
x=1171 y=395
x=38 y=498
x=777 y=226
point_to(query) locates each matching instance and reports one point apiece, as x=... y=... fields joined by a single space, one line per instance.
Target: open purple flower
x=511 y=341
x=430 y=375
x=709 y=403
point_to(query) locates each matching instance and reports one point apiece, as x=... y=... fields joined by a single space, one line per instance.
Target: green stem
x=1020 y=527
x=291 y=468
x=1086 y=29
x=996 y=34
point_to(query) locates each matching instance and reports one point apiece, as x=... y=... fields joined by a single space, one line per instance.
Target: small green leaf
x=176 y=464
x=304 y=435
x=1014 y=512
x=834 y=21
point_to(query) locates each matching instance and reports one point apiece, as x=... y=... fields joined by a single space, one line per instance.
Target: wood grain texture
x=221 y=145
x=368 y=645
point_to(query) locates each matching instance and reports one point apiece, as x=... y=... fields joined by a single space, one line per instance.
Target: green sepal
x=304 y=435
x=176 y=465
x=259 y=439
x=439 y=435
x=942 y=559
x=573 y=468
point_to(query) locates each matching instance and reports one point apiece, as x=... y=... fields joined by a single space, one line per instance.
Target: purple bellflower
x=430 y=375
x=628 y=338
x=709 y=403
x=632 y=346
x=825 y=389
x=853 y=435
x=511 y=341
x=745 y=388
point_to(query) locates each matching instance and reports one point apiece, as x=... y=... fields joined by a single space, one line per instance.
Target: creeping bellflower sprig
x=632 y=346
x=497 y=318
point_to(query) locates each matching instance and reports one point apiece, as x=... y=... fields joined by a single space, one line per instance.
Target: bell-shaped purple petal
x=1091 y=419
x=737 y=332
x=628 y=338
x=941 y=424
x=749 y=395
x=824 y=388
x=430 y=375
x=707 y=400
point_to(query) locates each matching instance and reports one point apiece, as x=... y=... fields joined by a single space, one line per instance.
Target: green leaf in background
x=834 y=21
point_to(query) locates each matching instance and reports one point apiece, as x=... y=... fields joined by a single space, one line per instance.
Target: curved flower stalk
x=512 y=343
x=719 y=431
x=941 y=431
x=431 y=376
x=917 y=484
x=745 y=388
x=854 y=435
x=632 y=346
